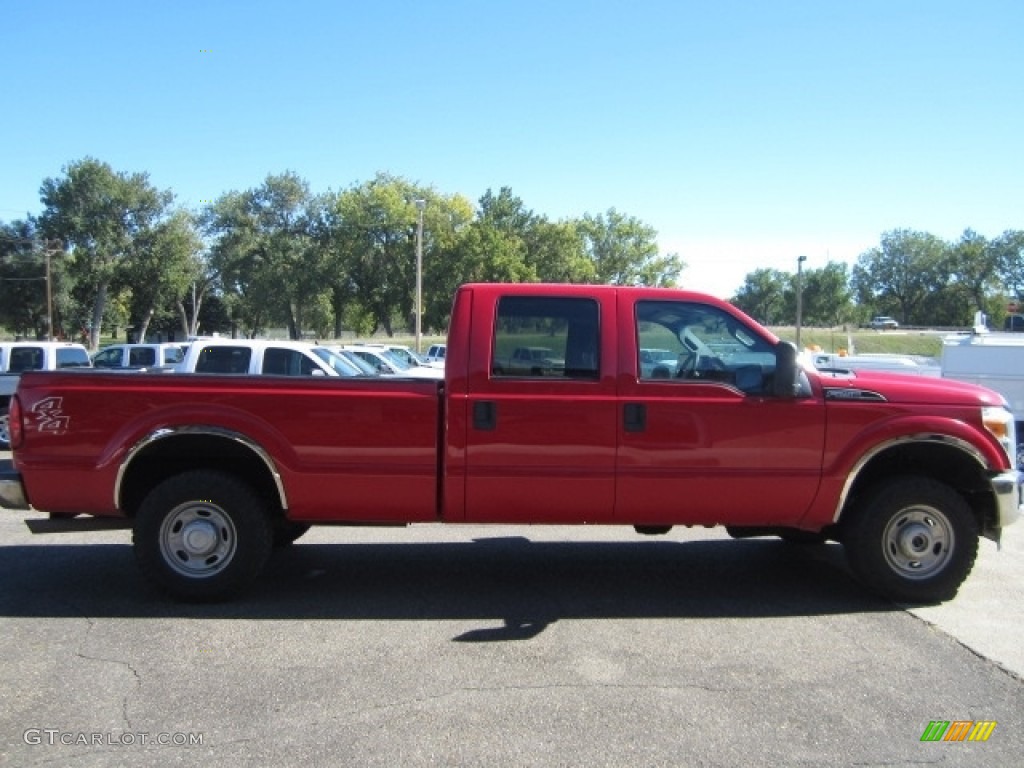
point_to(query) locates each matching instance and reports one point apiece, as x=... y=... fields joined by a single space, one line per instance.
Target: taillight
x=17 y=434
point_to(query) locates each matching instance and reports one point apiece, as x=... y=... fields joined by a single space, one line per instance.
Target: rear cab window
x=223 y=359
x=546 y=337
x=73 y=357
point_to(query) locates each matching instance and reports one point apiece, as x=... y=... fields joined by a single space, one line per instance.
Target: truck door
x=702 y=437
x=540 y=439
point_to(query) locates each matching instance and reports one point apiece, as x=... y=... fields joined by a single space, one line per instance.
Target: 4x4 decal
x=49 y=417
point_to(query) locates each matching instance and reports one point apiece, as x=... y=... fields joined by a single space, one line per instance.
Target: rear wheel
x=202 y=535
x=912 y=539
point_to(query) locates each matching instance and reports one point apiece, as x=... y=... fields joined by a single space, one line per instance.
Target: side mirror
x=787 y=370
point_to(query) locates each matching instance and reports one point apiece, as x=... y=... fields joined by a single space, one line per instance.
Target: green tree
x=163 y=265
x=1009 y=253
x=374 y=246
x=763 y=296
x=99 y=214
x=624 y=251
x=266 y=254
x=973 y=265
x=826 y=295
x=23 y=279
x=898 y=276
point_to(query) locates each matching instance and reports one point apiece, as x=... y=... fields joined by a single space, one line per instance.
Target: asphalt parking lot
x=501 y=645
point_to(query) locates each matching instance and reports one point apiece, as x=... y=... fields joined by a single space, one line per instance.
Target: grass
x=920 y=343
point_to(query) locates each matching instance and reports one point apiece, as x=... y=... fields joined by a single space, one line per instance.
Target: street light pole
x=799 y=296
x=420 y=205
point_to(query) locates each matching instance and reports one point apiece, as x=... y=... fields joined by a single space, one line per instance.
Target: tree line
x=122 y=254
x=915 y=277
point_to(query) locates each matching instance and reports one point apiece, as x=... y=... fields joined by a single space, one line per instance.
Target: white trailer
x=993 y=360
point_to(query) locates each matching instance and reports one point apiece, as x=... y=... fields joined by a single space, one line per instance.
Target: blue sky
x=745 y=133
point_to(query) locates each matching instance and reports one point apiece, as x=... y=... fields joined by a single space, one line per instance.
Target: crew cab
x=265 y=357
x=210 y=471
x=16 y=357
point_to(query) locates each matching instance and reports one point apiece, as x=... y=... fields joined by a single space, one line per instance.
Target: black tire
x=202 y=536
x=912 y=539
x=286 y=532
x=5 y=429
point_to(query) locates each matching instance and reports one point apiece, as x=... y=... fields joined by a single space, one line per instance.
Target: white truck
x=19 y=356
x=906 y=365
x=267 y=357
x=139 y=356
x=991 y=359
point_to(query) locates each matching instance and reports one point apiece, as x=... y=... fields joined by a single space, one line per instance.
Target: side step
x=73 y=524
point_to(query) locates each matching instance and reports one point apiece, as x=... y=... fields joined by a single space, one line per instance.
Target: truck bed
x=365 y=448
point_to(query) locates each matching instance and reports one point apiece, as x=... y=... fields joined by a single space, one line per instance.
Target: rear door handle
x=485 y=415
x=634 y=417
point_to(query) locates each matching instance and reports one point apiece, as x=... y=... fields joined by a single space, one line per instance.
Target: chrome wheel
x=198 y=539
x=918 y=542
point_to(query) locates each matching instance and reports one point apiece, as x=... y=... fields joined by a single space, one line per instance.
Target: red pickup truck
x=211 y=471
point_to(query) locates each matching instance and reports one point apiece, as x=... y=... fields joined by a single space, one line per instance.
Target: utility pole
x=799 y=297
x=420 y=205
x=52 y=246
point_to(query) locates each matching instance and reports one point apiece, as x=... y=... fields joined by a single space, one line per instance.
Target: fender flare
x=948 y=441
x=199 y=430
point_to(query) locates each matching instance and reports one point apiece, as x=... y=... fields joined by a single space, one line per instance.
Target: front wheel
x=202 y=535
x=912 y=539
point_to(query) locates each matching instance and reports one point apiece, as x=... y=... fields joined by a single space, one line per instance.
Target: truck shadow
x=523 y=585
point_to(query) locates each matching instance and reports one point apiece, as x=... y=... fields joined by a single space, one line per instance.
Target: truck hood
x=896 y=388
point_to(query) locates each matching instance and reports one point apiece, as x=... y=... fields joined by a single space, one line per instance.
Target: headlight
x=999 y=421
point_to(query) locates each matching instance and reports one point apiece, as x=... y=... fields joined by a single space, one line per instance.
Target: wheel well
x=173 y=455
x=941 y=462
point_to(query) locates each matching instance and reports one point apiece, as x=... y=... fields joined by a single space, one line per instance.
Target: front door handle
x=634 y=417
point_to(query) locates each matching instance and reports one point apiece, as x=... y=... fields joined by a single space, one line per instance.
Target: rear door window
x=27 y=359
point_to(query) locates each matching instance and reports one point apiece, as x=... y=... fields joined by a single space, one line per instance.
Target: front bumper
x=12 y=492
x=1006 y=489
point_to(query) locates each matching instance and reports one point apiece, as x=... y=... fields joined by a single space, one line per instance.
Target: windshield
x=340 y=365
x=395 y=360
x=357 y=361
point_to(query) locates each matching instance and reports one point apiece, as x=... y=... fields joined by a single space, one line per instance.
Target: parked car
x=17 y=357
x=436 y=353
x=531 y=361
x=387 y=363
x=356 y=360
x=658 y=363
x=883 y=323
x=138 y=356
